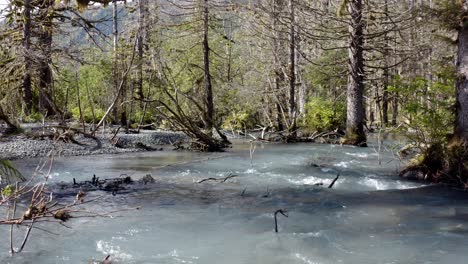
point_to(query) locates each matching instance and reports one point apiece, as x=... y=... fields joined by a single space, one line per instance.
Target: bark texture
x=279 y=55
x=27 y=90
x=46 y=101
x=461 y=121
x=208 y=100
x=355 y=110
x=292 y=70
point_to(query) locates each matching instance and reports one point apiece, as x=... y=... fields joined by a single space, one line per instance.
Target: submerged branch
x=334 y=180
x=284 y=213
x=219 y=179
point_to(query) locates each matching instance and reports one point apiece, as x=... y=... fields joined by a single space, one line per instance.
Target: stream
x=369 y=216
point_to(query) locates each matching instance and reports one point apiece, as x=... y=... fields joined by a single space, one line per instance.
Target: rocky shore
x=33 y=143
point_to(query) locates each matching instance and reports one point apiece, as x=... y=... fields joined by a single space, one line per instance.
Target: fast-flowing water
x=369 y=216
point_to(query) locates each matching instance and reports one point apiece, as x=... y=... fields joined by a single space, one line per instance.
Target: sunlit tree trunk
x=278 y=40
x=208 y=100
x=355 y=109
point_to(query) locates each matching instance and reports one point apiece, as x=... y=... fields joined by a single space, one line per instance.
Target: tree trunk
x=278 y=44
x=395 y=109
x=142 y=8
x=386 y=69
x=12 y=128
x=461 y=121
x=46 y=101
x=208 y=100
x=27 y=90
x=115 y=27
x=115 y=67
x=292 y=70
x=385 y=99
x=355 y=109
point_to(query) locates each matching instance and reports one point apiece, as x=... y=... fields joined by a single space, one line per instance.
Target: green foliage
x=323 y=115
x=9 y=174
x=89 y=84
x=427 y=107
x=136 y=117
x=342 y=8
x=88 y=114
x=34 y=118
x=7 y=190
x=328 y=76
x=240 y=120
x=449 y=13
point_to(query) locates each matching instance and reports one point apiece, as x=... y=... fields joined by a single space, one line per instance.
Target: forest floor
x=37 y=142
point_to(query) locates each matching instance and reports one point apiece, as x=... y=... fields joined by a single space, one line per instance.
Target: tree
x=27 y=89
x=461 y=120
x=45 y=32
x=208 y=89
x=292 y=69
x=355 y=109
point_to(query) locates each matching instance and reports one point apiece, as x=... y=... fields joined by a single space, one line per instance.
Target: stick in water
x=284 y=213
x=334 y=180
x=243 y=192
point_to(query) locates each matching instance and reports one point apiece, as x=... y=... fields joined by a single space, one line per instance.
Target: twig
x=284 y=213
x=208 y=179
x=334 y=180
x=219 y=179
x=243 y=192
x=229 y=177
x=26 y=237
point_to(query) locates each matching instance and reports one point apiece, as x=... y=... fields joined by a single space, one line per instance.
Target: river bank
x=36 y=142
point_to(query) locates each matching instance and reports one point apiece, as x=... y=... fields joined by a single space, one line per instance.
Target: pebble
x=18 y=147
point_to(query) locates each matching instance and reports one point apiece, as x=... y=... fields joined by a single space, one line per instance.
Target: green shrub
x=324 y=115
x=34 y=118
x=240 y=120
x=136 y=117
x=88 y=114
x=428 y=107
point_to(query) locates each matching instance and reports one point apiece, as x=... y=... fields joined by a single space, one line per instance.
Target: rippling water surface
x=370 y=216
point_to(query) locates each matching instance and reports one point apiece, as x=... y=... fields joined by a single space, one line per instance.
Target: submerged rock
x=415 y=173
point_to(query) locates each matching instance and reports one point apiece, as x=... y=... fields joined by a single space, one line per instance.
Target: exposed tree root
x=441 y=163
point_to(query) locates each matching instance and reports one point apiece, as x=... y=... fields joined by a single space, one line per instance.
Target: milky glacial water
x=370 y=216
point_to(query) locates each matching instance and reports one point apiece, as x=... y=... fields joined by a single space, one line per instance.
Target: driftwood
x=112 y=185
x=178 y=145
x=280 y=211
x=107 y=260
x=67 y=135
x=218 y=179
